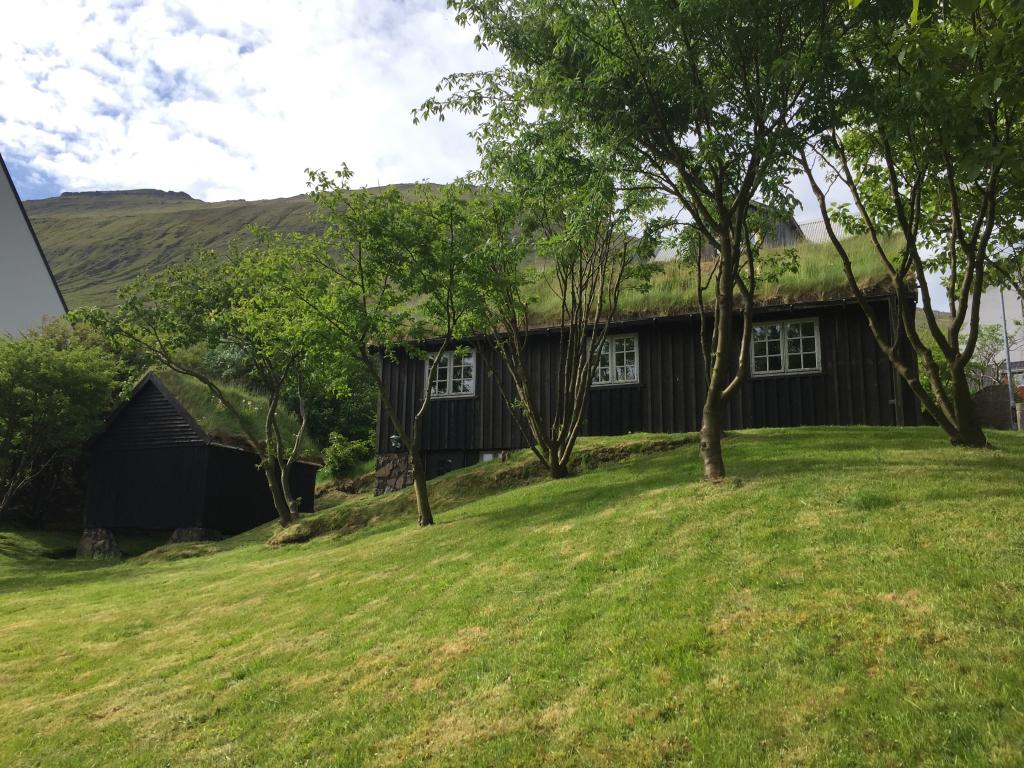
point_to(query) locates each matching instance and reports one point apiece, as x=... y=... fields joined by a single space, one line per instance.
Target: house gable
x=28 y=291
x=152 y=418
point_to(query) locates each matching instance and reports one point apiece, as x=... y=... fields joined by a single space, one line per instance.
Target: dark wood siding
x=154 y=469
x=855 y=385
x=151 y=420
x=237 y=495
x=152 y=489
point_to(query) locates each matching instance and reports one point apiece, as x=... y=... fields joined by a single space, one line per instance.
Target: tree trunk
x=711 y=440
x=284 y=512
x=714 y=401
x=419 y=483
x=557 y=469
x=969 y=432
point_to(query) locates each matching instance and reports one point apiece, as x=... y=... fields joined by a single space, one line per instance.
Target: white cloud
x=230 y=99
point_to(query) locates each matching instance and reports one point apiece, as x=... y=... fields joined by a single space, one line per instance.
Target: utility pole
x=1009 y=368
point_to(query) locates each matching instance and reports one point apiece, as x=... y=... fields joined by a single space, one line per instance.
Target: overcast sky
x=226 y=99
x=230 y=99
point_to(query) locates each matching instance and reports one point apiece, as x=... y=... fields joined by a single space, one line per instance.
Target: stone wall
x=98 y=544
x=182 y=535
x=394 y=472
x=993 y=404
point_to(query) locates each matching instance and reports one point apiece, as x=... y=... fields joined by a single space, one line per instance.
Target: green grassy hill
x=850 y=597
x=98 y=241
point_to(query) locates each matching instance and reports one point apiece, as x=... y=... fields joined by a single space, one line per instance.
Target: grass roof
x=819 y=277
x=221 y=424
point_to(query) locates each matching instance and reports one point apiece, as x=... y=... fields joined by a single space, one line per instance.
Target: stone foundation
x=181 y=535
x=394 y=472
x=993 y=404
x=98 y=544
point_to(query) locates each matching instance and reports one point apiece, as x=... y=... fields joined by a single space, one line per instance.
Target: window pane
x=767 y=348
x=603 y=372
x=454 y=375
x=439 y=384
x=625 y=359
x=462 y=374
x=802 y=345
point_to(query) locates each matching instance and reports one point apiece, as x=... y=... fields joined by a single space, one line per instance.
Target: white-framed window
x=618 y=361
x=455 y=375
x=788 y=346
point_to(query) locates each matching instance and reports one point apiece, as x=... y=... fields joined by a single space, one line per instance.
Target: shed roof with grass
x=171 y=457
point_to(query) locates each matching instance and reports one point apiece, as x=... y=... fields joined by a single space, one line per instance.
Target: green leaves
x=967 y=7
x=56 y=385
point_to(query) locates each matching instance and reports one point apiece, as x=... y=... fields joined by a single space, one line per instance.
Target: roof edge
x=652 y=319
x=31 y=229
x=147 y=378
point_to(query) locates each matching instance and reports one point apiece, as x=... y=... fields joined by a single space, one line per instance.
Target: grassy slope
x=96 y=242
x=853 y=597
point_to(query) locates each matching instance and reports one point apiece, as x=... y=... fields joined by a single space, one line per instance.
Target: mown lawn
x=851 y=597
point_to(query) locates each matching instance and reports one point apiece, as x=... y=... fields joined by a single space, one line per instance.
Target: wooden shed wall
x=151 y=489
x=153 y=469
x=148 y=468
x=855 y=386
x=237 y=497
x=150 y=420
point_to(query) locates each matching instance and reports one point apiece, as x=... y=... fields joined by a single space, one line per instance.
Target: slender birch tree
x=235 y=302
x=389 y=276
x=925 y=134
x=703 y=99
x=561 y=231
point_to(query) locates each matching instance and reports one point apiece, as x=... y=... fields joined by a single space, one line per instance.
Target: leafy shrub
x=343 y=455
x=56 y=384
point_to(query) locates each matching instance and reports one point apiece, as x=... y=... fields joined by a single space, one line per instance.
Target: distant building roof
x=28 y=291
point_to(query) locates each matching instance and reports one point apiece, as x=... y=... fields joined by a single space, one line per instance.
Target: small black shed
x=154 y=467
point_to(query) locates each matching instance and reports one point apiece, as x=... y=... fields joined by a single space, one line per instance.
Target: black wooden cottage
x=154 y=467
x=812 y=363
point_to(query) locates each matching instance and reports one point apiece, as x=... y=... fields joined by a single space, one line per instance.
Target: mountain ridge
x=98 y=241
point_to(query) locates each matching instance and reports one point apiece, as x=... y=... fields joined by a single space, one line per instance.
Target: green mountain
x=97 y=242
